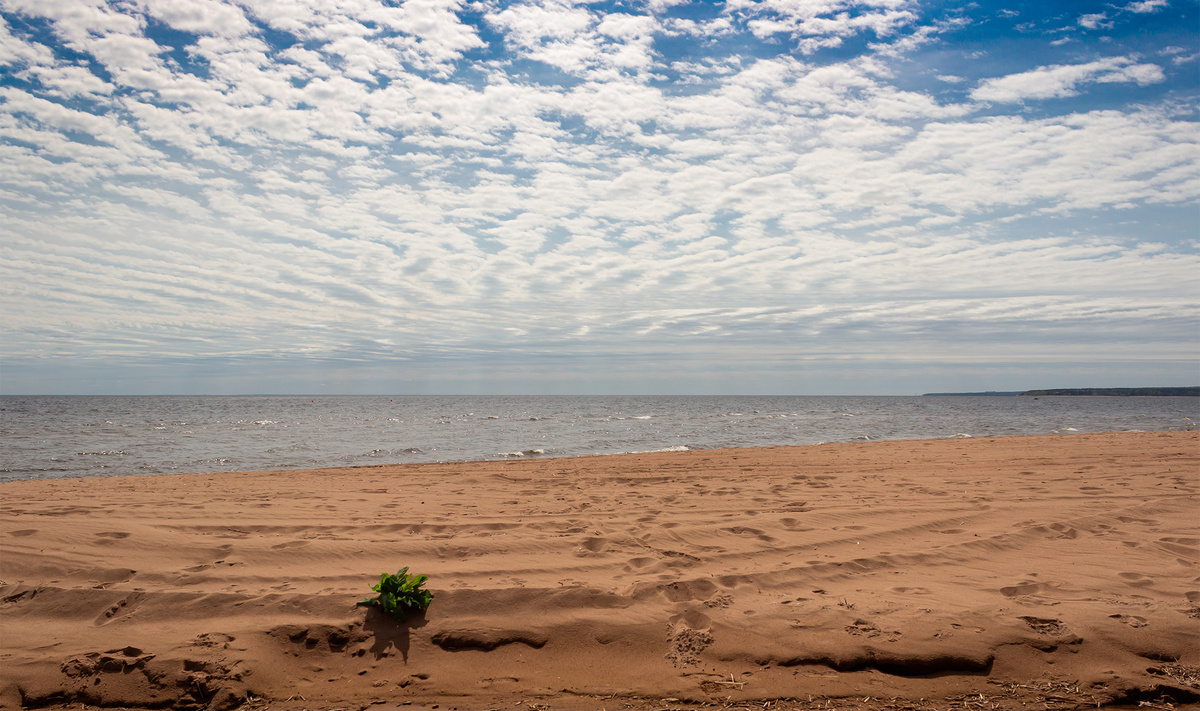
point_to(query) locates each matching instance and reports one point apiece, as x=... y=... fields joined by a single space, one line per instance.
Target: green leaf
x=399 y=594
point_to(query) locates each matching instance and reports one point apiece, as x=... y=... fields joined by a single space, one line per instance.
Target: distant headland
x=1093 y=392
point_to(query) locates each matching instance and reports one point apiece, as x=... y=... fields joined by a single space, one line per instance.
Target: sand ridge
x=912 y=570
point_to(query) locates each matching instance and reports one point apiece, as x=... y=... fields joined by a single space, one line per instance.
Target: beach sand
x=965 y=573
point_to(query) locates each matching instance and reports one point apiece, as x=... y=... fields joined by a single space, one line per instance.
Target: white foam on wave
x=676 y=448
x=641 y=417
x=526 y=453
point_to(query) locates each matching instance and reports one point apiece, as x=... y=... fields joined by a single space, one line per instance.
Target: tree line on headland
x=1096 y=392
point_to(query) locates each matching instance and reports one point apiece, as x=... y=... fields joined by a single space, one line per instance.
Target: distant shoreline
x=1083 y=392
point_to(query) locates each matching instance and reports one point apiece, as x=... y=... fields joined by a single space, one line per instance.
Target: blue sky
x=652 y=196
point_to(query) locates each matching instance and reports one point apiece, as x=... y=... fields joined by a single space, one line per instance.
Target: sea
x=47 y=437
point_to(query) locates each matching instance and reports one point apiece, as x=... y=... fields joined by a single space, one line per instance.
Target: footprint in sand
x=214 y=639
x=682 y=591
x=592 y=546
x=124 y=607
x=794 y=525
x=687 y=636
x=23 y=532
x=1137 y=580
x=1026 y=588
x=113 y=661
x=1063 y=530
x=862 y=628
x=1131 y=620
x=1180 y=545
x=747 y=531
x=289 y=544
x=1131 y=519
x=639 y=563
x=1047 y=626
x=721 y=600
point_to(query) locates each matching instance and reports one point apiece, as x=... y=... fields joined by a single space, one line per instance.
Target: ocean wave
x=526 y=453
x=676 y=448
x=385 y=452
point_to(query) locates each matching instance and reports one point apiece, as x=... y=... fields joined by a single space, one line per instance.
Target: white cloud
x=822 y=23
x=918 y=38
x=199 y=16
x=1063 y=80
x=708 y=29
x=1143 y=6
x=434 y=35
x=16 y=52
x=574 y=40
x=528 y=24
x=1179 y=55
x=627 y=27
x=1096 y=20
x=67 y=81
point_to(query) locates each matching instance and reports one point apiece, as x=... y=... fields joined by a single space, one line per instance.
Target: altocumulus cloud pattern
x=652 y=196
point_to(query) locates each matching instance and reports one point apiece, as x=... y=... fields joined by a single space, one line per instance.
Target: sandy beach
x=1005 y=572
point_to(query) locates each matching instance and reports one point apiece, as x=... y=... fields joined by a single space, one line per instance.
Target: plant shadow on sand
x=388 y=633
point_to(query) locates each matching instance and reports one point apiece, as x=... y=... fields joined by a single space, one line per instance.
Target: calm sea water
x=51 y=437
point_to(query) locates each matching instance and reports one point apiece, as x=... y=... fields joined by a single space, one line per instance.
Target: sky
x=801 y=197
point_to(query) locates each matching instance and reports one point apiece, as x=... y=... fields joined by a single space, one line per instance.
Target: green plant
x=399 y=594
